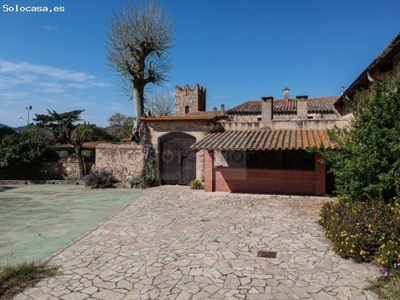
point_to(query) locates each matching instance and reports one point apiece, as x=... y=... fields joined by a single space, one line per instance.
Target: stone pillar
x=320 y=176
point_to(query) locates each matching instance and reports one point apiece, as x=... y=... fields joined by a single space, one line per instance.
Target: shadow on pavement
x=6 y=188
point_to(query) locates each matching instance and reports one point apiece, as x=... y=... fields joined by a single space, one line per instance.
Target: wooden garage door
x=177 y=160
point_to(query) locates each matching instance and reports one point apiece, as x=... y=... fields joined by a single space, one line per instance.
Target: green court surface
x=38 y=220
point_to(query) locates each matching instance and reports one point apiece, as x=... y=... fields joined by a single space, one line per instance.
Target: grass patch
x=16 y=278
x=386 y=288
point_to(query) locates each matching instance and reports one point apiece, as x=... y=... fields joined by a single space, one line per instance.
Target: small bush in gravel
x=100 y=180
x=196 y=184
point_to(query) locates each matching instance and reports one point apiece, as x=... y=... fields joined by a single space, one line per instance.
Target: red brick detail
x=209 y=172
x=223 y=179
x=265 y=181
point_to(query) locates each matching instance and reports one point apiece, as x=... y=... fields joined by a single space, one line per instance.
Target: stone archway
x=177 y=160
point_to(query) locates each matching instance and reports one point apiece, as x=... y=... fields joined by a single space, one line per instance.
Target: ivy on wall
x=147 y=176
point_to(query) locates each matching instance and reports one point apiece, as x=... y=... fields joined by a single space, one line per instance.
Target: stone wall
x=245 y=118
x=124 y=161
x=68 y=167
x=65 y=168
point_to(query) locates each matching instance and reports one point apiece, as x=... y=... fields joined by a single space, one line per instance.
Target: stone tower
x=189 y=100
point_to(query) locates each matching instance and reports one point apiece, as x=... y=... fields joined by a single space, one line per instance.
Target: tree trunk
x=81 y=163
x=138 y=96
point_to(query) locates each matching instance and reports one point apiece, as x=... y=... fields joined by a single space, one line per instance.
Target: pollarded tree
x=138 y=41
x=368 y=162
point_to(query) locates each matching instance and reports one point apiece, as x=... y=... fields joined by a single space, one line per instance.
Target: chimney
x=222 y=109
x=286 y=93
x=302 y=107
x=267 y=104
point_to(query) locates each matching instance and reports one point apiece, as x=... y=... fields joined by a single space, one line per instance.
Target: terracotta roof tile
x=266 y=140
x=189 y=117
x=315 y=105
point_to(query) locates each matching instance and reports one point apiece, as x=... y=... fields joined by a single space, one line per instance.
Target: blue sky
x=238 y=50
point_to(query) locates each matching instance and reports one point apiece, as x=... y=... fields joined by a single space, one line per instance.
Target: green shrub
x=387 y=286
x=99 y=179
x=363 y=230
x=135 y=181
x=367 y=164
x=196 y=184
x=88 y=155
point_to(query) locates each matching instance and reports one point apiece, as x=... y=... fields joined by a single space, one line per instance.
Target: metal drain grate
x=266 y=254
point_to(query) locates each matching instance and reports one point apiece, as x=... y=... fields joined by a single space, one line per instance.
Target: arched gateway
x=177 y=160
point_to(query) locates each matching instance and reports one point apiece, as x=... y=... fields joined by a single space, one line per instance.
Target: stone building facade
x=171 y=138
x=301 y=112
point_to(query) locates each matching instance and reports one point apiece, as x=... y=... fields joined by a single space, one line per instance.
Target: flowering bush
x=363 y=230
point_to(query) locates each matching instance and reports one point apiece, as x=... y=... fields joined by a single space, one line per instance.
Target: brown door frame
x=177 y=160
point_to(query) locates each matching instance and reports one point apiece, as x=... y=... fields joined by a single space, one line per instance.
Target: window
x=187 y=109
x=273 y=159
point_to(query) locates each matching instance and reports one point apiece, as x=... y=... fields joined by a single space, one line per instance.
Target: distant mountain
x=17 y=129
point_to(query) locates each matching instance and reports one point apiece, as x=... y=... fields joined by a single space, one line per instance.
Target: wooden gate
x=177 y=160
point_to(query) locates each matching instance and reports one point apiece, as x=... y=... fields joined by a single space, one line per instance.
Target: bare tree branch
x=162 y=104
x=138 y=41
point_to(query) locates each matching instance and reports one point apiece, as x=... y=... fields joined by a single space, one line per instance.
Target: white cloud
x=14 y=73
x=51 y=88
x=11 y=96
x=47 y=87
x=51 y=28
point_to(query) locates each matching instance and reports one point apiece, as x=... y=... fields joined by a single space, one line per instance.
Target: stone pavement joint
x=174 y=243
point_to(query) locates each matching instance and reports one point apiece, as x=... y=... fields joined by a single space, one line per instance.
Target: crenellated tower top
x=190 y=100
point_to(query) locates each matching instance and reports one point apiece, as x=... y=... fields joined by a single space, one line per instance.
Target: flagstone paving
x=176 y=243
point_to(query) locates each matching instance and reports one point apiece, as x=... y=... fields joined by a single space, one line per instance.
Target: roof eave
x=392 y=47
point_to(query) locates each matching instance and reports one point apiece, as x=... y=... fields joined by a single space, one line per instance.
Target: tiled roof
x=188 y=117
x=266 y=140
x=315 y=105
